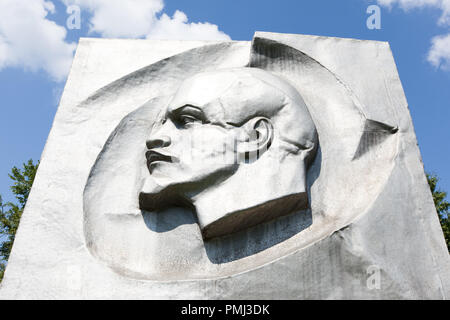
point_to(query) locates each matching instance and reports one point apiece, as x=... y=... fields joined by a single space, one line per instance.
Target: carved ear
x=256 y=138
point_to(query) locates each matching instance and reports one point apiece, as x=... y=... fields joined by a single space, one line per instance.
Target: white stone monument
x=282 y=168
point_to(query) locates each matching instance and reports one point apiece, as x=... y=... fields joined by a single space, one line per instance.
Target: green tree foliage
x=10 y=213
x=2 y=271
x=442 y=206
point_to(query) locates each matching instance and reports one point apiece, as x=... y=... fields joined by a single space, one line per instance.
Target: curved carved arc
x=331 y=103
x=111 y=213
x=165 y=75
x=374 y=133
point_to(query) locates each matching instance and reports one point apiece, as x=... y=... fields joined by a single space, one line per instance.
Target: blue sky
x=33 y=69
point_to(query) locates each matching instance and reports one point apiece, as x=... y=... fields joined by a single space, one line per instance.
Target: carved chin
x=160 y=191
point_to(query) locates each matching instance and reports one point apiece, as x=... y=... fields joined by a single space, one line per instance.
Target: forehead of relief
x=234 y=94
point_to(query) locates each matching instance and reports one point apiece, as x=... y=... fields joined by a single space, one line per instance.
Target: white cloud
x=443 y=5
x=139 y=18
x=31 y=41
x=439 y=54
x=118 y=18
x=178 y=27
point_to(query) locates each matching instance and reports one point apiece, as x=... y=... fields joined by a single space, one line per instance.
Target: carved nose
x=160 y=142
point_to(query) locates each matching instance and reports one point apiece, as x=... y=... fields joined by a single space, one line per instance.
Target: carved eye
x=186 y=120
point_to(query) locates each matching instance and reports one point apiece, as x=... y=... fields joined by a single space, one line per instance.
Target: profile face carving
x=243 y=130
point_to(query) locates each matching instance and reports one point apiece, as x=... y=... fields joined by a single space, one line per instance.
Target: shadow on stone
x=168 y=219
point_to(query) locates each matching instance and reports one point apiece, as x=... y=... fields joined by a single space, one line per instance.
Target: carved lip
x=153 y=156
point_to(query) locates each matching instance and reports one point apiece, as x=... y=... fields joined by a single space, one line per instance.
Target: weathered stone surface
x=345 y=215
